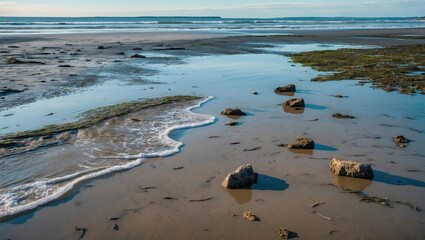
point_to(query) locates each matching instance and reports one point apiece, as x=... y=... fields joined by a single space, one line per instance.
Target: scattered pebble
x=250 y=216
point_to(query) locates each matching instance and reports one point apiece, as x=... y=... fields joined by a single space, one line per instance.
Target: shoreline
x=154 y=199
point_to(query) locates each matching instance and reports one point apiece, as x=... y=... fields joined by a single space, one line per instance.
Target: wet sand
x=153 y=201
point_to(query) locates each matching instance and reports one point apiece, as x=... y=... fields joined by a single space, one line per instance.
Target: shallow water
x=231 y=79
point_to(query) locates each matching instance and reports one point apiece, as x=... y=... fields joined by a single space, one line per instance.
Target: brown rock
x=283 y=233
x=351 y=168
x=231 y=123
x=342 y=116
x=243 y=177
x=285 y=89
x=295 y=103
x=302 y=143
x=233 y=111
x=401 y=141
x=250 y=216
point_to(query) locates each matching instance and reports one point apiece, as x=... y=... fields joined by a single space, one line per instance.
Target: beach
x=180 y=195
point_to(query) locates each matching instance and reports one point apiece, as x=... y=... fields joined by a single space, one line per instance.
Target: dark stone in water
x=295 y=103
x=400 y=141
x=233 y=111
x=137 y=56
x=65 y=66
x=342 y=116
x=7 y=91
x=231 y=123
x=285 y=89
x=101 y=47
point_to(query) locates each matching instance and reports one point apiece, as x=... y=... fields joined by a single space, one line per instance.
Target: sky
x=223 y=8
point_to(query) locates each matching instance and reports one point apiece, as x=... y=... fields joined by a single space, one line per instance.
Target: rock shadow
x=315 y=107
x=322 y=147
x=266 y=182
x=387 y=178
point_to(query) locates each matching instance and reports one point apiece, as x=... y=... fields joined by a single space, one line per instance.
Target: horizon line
x=194 y=16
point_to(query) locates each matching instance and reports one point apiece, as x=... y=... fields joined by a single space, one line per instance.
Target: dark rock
x=233 y=111
x=101 y=47
x=13 y=60
x=231 y=123
x=254 y=93
x=400 y=141
x=65 y=66
x=342 y=116
x=302 y=143
x=295 y=103
x=120 y=53
x=285 y=89
x=7 y=91
x=137 y=56
x=137 y=49
x=351 y=169
x=243 y=177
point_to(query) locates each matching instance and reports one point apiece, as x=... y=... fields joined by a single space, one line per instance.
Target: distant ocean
x=54 y=25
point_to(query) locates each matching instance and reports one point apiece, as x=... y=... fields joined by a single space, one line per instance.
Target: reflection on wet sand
x=288 y=94
x=301 y=151
x=355 y=184
x=265 y=183
x=292 y=110
x=241 y=195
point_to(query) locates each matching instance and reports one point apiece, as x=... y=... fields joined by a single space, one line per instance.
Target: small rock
x=295 y=103
x=249 y=216
x=342 y=116
x=254 y=93
x=65 y=66
x=101 y=47
x=231 y=123
x=120 y=53
x=116 y=228
x=401 y=141
x=137 y=49
x=301 y=143
x=351 y=169
x=244 y=176
x=285 y=89
x=13 y=60
x=338 y=96
x=233 y=111
x=283 y=233
x=137 y=56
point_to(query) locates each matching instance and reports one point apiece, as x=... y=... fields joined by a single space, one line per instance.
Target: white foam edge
x=69 y=186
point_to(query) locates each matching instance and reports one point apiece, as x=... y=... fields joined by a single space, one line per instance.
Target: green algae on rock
x=388 y=68
x=88 y=119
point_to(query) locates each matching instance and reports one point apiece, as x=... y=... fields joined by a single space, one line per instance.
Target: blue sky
x=224 y=8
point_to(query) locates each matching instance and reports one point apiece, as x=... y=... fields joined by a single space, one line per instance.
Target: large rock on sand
x=243 y=177
x=351 y=169
x=302 y=143
x=233 y=111
x=295 y=103
x=286 y=89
